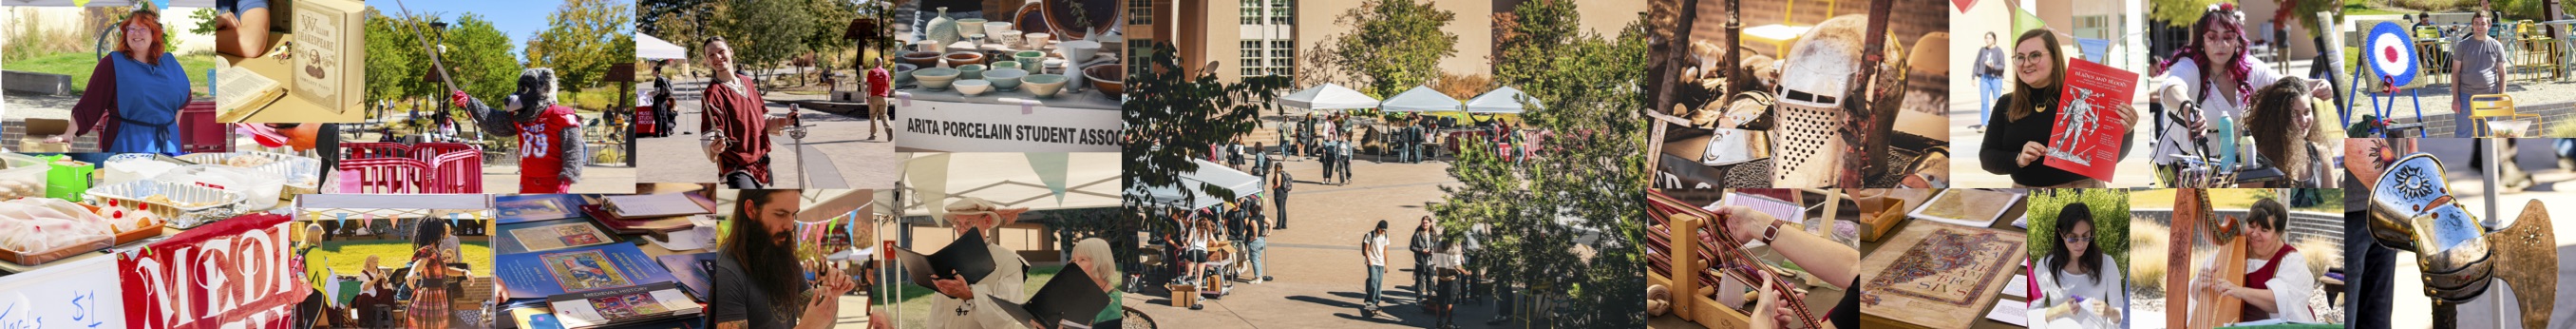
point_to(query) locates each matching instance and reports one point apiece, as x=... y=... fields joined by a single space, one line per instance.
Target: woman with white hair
x=1094 y=258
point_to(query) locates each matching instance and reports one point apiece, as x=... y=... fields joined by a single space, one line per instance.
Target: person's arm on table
x=1835 y=262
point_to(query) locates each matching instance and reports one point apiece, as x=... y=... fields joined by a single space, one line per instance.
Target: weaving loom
x=1723 y=256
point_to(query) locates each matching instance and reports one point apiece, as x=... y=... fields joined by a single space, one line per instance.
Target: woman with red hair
x=140 y=86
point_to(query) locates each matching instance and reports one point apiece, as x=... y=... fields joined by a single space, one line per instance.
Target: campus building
x=1268 y=37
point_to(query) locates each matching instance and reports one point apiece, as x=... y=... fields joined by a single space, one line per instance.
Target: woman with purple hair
x=2207 y=79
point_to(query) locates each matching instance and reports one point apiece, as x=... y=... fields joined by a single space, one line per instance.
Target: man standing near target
x=2478 y=59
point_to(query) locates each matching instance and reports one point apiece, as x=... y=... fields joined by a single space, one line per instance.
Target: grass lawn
x=914 y=299
x=78 y=66
x=346 y=256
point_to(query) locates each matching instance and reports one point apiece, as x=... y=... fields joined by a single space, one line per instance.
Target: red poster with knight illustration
x=2087 y=140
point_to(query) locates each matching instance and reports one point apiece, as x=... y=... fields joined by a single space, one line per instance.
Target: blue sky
x=521 y=19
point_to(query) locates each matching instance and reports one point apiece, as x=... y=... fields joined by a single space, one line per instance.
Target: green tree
x=831 y=18
x=765 y=32
x=1172 y=118
x=2179 y=13
x=1397 y=44
x=583 y=38
x=478 y=56
x=395 y=62
x=1587 y=178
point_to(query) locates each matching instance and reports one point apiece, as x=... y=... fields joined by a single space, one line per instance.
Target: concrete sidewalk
x=840 y=157
x=1316 y=262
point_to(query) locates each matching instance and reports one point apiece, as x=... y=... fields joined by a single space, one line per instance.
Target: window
x=1140 y=12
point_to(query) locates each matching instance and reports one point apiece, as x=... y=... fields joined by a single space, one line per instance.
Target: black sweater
x=2004 y=139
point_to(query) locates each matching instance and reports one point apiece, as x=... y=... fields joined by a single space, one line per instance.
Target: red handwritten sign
x=235 y=273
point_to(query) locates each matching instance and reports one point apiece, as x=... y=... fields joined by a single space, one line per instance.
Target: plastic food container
x=182 y=205
x=303 y=174
x=134 y=166
x=27 y=216
x=22 y=176
x=260 y=188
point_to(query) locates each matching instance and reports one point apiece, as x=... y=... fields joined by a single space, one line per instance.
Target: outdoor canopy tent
x=1420 y=99
x=1038 y=181
x=1500 y=101
x=1329 y=97
x=649 y=47
x=1209 y=173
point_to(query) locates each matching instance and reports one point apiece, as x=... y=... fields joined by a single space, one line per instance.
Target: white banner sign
x=939 y=126
x=74 y=294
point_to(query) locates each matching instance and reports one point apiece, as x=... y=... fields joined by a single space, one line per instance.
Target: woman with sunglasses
x=2017 y=140
x=2079 y=283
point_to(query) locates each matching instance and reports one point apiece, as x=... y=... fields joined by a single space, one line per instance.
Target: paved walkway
x=838 y=156
x=1316 y=261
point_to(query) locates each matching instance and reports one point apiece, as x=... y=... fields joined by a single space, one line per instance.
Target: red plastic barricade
x=199 y=133
x=456 y=172
x=372 y=150
x=384 y=176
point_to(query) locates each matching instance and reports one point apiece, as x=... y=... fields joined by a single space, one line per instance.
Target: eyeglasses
x=2079 y=239
x=2029 y=56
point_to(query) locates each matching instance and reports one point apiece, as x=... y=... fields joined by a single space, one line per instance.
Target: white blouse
x=2290 y=285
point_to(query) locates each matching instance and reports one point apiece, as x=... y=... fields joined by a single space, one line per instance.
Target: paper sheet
x=2019 y=287
x=2009 y=311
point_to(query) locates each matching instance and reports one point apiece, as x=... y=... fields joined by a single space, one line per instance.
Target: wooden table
x=2016 y=211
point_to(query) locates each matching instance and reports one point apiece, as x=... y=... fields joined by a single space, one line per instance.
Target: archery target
x=2391 y=53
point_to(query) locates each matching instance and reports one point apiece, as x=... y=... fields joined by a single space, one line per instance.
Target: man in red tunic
x=736 y=120
x=550 y=142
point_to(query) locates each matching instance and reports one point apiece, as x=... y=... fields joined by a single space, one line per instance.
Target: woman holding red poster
x=2018 y=142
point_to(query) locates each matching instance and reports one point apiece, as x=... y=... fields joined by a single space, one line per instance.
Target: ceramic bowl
x=1006 y=79
x=973 y=87
x=1035 y=40
x=957 y=59
x=1078 y=50
x=1045 y=85
x=936 y=78
x=1007 y=65
x=990 y=27
x=1030 y=60
x=1109 y=79
x=932 y=46
x=903 y=73
x=922 y=58
x=1004 y=39
x=970 y=26
x=971 y=71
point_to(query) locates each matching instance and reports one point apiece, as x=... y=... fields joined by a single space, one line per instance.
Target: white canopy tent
x=1505 y=100
x=649 y=47
x=1011 y=180
x=1209 y=173
x=1421 y=99
x=1329 y=97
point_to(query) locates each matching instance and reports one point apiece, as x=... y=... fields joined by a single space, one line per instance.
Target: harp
x=2193 y=217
